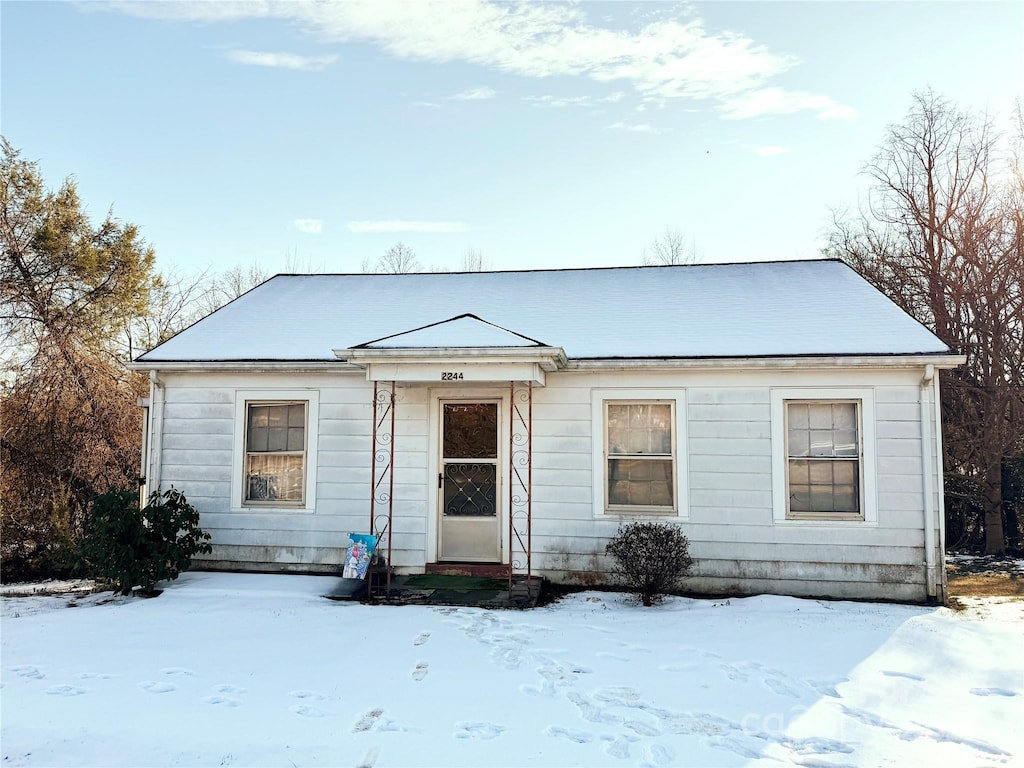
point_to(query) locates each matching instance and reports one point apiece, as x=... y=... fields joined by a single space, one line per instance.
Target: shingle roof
x=775 y=309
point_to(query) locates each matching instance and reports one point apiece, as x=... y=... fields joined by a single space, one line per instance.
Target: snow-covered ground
x=259 y=670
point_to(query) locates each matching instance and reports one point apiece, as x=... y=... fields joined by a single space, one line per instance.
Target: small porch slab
x=441 y=589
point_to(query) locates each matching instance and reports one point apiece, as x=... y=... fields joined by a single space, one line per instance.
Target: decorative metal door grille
x=470 y=490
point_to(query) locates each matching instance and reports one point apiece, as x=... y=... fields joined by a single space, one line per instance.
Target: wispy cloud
x=475 y=94
x=309 y=226
x=771 y=151
x=392 y=225
x=281 y=60
x=573 y=101
x=672 y=56
x=776 y=101
x=426 y=104
x=633 y=127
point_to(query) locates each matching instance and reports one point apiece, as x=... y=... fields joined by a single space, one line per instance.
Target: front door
x=468 y=483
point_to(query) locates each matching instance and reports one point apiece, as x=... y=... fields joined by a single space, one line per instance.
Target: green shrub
x=651 y=558
x=131 y=547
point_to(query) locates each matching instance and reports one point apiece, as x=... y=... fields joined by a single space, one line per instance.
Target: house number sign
x=452 y=376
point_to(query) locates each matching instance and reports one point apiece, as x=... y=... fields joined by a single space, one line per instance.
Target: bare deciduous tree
x=397 y=260
x=669 y=248
x=232 y=283
x=473 y=261
x=943 y=237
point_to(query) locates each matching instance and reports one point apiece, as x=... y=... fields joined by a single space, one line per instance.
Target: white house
x=785 y=415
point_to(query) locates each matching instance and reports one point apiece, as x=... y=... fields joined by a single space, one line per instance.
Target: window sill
x=639 y=513
x=828 y=520
x=279 y=509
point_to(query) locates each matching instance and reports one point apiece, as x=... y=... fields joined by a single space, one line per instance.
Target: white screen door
x=468 y=483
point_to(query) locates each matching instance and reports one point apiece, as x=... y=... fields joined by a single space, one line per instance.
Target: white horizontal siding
x=728 y=451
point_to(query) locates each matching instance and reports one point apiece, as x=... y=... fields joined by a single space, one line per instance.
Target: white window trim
x=598 y=398
x=780 y=462
x=243 y=396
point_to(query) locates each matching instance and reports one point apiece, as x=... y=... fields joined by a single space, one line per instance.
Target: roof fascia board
x=771 y=363
x=550 y=358
x=246 y=366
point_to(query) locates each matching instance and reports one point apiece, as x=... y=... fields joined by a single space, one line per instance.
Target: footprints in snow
x=477 y=730
x=905 y=675
x=157 y=687
x=27 y=670
x=65 y=690
x=374 y=720
x=420 y=670
x=993 y=692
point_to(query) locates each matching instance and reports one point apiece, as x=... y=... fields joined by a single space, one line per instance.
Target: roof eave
x=549 y=358
x=943 y=360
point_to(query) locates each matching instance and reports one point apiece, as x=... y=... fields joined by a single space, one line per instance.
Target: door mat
x=456 y=583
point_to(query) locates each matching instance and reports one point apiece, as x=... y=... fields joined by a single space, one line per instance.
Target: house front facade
x=784 y=415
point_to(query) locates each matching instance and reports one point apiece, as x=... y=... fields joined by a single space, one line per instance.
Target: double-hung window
x=823 y=452
x=640 y=464
x=275 y=453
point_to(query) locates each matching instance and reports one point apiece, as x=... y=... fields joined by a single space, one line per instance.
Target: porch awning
x=459 y=350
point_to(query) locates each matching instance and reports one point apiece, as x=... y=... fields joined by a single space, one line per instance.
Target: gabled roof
x=774 y=309
x=457 y=332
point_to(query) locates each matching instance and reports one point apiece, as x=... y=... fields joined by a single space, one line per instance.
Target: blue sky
x=542 y=135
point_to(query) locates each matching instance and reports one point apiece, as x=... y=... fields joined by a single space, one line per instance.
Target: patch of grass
x=985 y=585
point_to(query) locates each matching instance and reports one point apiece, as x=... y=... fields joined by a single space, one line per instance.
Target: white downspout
x=929 y=481
x=158 y=395
x=940 y=475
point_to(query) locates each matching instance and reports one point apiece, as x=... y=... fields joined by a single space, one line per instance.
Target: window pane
x=821 y=443
x=277 y=416
x=799 y=498
x=846 y=499
x=798 y=416
x=257 y=439
x=819 y=415
x=276 y=428
x=844 y=416
x=821 y=498
x=640 y=428
x=845 y=442
x=277 y=439
x=845 y=472
x=470 y=430
x=618 y=428
x=824 y=486
x=638 y=441
x=799 y=444
x=274 y=478
x=640 y=482
x=820 y=472
x=258 y=415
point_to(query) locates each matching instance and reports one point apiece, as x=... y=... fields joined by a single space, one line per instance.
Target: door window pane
x=470 y=430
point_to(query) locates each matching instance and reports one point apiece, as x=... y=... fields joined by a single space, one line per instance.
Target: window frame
x=863 y=399
x=676 y=400
x=244 y=399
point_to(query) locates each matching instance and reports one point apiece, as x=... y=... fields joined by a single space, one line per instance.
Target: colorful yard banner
x=357 y=562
